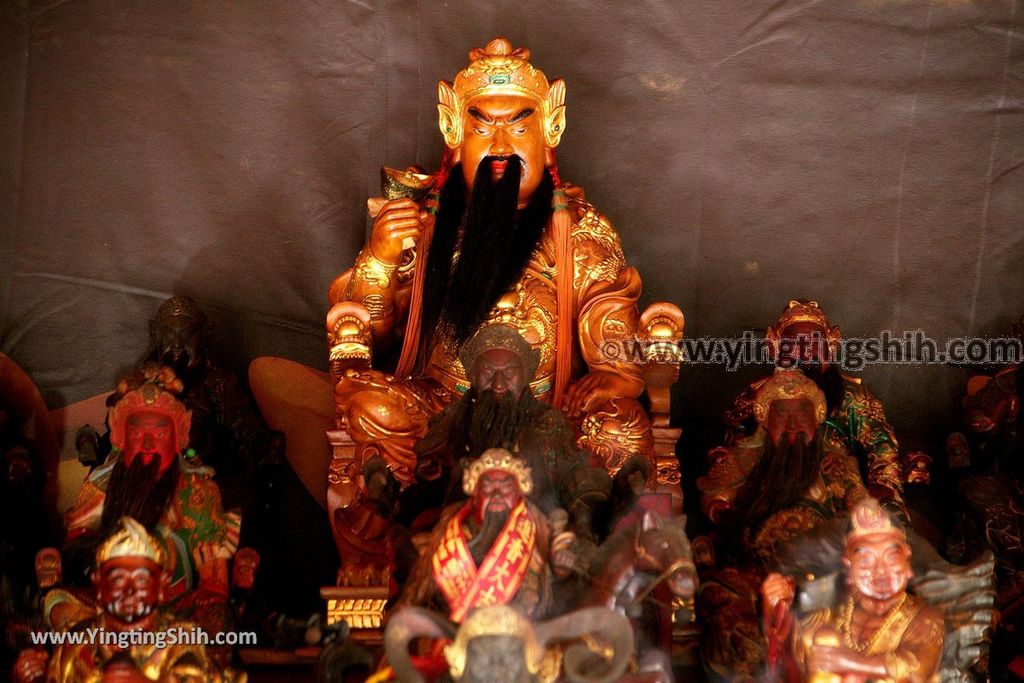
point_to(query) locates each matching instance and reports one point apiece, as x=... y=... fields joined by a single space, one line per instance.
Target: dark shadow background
x=866 y=153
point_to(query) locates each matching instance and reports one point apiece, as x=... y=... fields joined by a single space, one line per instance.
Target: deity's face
x=178 y=342
x=150 y=435
x=501 y=371
x=804 y=343
x=129 y=588
x=789 y=418
x=496 y=658
x=878 y=565
x=502 y=126
x=496 y=491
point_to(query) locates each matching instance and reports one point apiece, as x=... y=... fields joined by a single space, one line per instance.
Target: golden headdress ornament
x=131 y=540
x=499 y=70
x=803 y=311
x=788 y=384
x=497 y=459
x=870 y=519
x=498 y=620
x=153 y=388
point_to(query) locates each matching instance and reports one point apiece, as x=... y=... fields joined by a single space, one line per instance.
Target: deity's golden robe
x=605 y=294
x=176 y=661
x=910 y=641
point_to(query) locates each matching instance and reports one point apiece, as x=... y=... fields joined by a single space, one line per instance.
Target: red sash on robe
x=501 y=573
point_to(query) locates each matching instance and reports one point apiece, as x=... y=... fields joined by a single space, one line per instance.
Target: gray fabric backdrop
x=867 y=153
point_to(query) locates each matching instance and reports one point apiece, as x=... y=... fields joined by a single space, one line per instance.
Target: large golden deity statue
x=493 y=237
x=490 y=245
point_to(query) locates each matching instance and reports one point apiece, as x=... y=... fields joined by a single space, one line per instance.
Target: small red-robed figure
x=496 y=548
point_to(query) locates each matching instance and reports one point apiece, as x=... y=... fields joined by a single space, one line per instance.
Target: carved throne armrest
x=348 y=338
x=661 y=330
x=350 y=344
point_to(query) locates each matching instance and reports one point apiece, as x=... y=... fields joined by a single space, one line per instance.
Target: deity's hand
x=30 y=666
x=205 y=552
x=211 y=565
x=563 y=562
x=563 y=559
x=574 y=191
x=399 y=220
x=428 y=468
x=596 y=388
x=840 y=660
x=777 y=589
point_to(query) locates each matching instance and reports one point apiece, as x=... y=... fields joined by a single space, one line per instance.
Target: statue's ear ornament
x=554 y=113
x=449 y=114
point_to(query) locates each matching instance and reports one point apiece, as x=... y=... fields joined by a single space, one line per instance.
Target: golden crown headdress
x=497 y=459
x=500 y=70
x=802 y=311
x=498 y=620
x=153 y=389
x=786 y=384
x=869 y=518
x=131 y=540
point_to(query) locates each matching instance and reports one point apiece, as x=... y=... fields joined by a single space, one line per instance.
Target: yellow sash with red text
x=499 y=576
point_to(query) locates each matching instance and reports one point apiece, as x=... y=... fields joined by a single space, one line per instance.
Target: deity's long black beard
x=138 y=492
x=181 y=362
x=494 y=244
x=779 y=479
x=482 y=420
x=489 y=531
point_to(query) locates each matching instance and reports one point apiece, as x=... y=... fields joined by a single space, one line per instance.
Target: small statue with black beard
x=227 y=432
x=783 y=481
x=148 y=478
x=803 y=339
x=500 y=411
